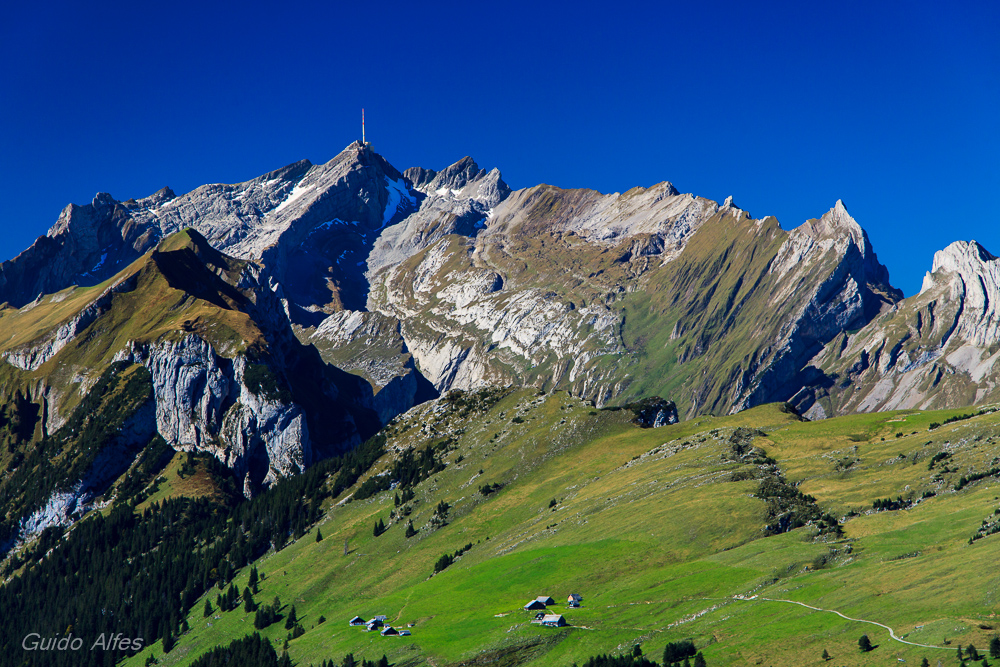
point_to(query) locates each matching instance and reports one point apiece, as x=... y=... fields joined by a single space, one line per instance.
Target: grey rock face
x=654 y=412
x=856 y=289
x=659 y=211
x=458 y=200
x=933 y=350
x=298 y=220
x=971 y=275
x=466 y=327
x=87 y=245
x=203 y=404
x=372 y=345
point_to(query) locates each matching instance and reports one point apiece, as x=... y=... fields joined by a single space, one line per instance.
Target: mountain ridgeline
x=280 y=321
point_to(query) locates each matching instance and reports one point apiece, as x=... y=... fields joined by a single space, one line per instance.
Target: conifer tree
x=826 y=654
x=248 y=603
x=995 y=647
x=319 y=535
x=865 y=644
x=410 y=531
x=699 y=660
x=291 y=620
x=168 y=638
x=208 y=608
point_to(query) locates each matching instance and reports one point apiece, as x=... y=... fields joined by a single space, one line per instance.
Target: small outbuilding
x=575 y=597
x=545 y=600
x=574 y=604
x=373 y=624
x=404 y=633
x=357 y=620
x=554 y=621
x=389 y=631
x=534 y=605
x=381 y=618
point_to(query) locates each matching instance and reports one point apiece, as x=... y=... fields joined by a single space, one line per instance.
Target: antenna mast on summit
x=362 y=125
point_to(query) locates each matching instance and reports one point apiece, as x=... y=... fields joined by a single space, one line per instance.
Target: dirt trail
x=892 y=633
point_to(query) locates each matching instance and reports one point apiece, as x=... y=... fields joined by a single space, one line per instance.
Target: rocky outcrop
x=654 y=412
x=203 y=404
x=933 y=350
x=87 y=245
x=659 y=211
x=854 y=288
x=465 y=330
x=458 y=200
x=371 y=345
x=969 y=275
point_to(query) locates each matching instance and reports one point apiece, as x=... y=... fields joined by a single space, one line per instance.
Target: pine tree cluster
x=350 y=661
x=250 y=651
x=140 y=573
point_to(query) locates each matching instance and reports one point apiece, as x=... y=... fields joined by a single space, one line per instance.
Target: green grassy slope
x=650 y=528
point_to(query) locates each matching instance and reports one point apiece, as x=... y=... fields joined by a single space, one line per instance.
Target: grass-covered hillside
x=709 y=530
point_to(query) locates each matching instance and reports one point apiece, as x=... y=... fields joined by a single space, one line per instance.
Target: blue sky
x=785 y=106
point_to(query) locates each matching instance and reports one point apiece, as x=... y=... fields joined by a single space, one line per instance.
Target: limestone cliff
x=933 y=350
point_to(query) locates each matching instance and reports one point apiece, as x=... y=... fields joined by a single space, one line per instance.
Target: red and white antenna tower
x=362 y=125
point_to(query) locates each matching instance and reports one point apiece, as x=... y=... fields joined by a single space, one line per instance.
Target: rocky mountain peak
x=961 y=257
x=835 y=223
x=461 y=180
x=837 y=231
x=969 y=268
x=103 y=200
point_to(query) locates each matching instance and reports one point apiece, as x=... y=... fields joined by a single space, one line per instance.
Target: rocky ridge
x=935 y=349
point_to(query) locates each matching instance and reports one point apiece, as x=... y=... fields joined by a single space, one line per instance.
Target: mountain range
x=288 y=318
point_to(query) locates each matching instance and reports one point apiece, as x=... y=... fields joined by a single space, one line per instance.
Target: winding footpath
x=892 y=633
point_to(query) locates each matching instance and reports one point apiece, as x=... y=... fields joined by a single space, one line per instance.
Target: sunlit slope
x=651 y=528
x=182 y=287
